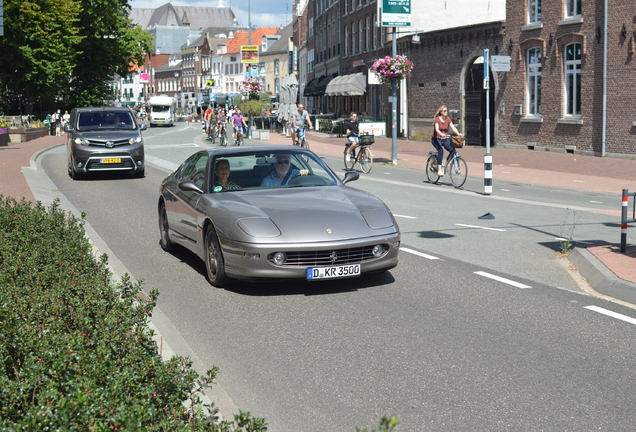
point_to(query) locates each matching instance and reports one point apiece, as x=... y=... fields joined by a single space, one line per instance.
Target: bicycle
x=213 y=134
x=300 y=139
x=223 y=136
x=238 y=139
x=456 y=168
x=361 y=154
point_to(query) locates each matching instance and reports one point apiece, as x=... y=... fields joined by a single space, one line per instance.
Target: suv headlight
x=80 y=141
x=135 y=140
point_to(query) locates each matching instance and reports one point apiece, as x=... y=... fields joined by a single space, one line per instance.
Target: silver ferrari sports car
x=274 y=212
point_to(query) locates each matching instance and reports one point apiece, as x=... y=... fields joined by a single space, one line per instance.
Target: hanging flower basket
x=389 y=68
x=251 y=86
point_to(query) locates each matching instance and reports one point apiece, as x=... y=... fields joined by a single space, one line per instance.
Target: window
x=346 y=41
x=573 y=79
x=573 y=8
x=276 y=85
x=375 y=31
x=353 y=38
x=367 y=33
x=534 y=11
x=360 y=36
x=276 y=67
x=534 y=82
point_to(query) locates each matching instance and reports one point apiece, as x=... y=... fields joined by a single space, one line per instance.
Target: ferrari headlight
x=279 y=258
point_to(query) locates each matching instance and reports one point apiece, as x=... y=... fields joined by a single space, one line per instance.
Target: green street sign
x=394 y=13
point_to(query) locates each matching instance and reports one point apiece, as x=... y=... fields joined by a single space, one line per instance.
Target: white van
x=162 y=110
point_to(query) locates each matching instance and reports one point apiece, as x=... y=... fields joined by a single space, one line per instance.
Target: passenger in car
x=222 y=172
x=281 y=175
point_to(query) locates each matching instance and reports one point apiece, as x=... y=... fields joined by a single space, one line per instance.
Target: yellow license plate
x=111 y=160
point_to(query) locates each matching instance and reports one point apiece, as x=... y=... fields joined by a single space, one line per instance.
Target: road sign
x=249 y=53
x=394 y=13
x=486 y=72
x=500 y=63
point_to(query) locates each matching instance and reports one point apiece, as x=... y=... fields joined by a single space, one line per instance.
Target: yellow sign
x=209 y=82
x=249 y=54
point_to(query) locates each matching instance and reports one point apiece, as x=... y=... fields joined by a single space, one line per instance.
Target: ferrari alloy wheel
x=164 y=228
x=214 y=262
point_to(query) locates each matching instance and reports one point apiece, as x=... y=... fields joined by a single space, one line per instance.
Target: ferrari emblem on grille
x=110 y=144
x=328 y=231
x=333 y=257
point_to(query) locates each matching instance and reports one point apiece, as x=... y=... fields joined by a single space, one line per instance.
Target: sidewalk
x=605 y=268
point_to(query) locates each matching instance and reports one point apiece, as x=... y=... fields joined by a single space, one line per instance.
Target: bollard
x=624 y=220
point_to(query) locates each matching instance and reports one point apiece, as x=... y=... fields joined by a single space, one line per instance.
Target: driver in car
x=281 y=175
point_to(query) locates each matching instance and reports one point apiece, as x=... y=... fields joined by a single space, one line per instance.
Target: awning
x=347 y=85
x=310 y=88
x=322 y=85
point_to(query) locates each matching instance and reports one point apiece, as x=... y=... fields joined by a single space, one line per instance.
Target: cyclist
x=238 y=121
x=207 y=118
x=222 y=119
x=353 y=133
x=441 y=138
x=299 y=120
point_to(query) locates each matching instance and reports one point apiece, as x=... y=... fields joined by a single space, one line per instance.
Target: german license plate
x=110 y=160
x=333 y=272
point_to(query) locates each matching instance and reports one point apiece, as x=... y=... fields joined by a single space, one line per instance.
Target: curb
x=600 y=277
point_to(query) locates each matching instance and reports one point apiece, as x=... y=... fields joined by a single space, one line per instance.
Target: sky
x=263 y=13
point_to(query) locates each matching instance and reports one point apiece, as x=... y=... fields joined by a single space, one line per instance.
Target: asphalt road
x=437 y=340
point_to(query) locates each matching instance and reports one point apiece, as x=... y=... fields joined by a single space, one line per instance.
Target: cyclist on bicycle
x=221 y=120
x=208 y=121
x=238 y=121
x=353 y=133
x=299 y=120
x=441 y=138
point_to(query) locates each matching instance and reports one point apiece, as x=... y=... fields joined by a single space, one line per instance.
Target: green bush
x=75 y=349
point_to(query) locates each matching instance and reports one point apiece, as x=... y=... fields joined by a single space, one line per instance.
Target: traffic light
x=227 y=100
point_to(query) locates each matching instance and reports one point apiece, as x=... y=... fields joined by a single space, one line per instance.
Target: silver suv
x=104 y=139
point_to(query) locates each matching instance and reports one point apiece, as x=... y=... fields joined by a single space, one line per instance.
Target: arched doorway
x=475 y=104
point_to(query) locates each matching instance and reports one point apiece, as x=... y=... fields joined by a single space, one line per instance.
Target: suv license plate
x=110 y=160
x=333 y=272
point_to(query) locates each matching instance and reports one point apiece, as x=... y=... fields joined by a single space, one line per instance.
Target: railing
x=624 y=219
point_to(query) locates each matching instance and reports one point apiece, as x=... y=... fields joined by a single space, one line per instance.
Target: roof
x=195 y=17
x=241 y=37
x=282 y=44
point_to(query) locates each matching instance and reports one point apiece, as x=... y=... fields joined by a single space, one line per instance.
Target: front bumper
x=241 y=263
x=87 y=159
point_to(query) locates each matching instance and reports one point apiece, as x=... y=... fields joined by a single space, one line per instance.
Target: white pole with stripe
x=488 y=156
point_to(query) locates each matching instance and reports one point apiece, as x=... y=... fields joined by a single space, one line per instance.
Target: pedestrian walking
x=56 y=119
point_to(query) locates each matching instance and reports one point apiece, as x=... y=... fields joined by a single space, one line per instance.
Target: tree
x=67 y=51
x=39 y=47
x=111 y=44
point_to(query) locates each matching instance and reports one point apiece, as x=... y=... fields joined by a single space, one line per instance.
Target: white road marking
x=505 y=190
x=578 y=181
x=572 y=240
x=597 y=202
x=612 y=314
x=402 y=216
x=504 y=280
x=481 y=227
x=414 y=252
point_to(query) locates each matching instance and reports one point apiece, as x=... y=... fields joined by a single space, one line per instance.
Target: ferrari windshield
x=293 y=168
x=105 y=120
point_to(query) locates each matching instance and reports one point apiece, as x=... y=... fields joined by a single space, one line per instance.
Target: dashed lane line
x=403 y=216
x=420 y=254
x=480 y=227
x=611 y=314
x=504 y=280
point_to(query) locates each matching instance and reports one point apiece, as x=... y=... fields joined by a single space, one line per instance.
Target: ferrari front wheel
x=214 y=263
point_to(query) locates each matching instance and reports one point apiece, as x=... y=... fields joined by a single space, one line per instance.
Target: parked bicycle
x=456 y=168
x=301 y=141
x=361 y=154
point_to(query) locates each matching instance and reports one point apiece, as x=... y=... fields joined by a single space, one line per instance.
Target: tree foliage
x=65 y=52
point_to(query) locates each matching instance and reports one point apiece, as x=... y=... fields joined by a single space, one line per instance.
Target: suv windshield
x=105 y=120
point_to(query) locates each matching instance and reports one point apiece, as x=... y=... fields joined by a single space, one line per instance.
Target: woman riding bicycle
x=221 y=120
x=441 y=138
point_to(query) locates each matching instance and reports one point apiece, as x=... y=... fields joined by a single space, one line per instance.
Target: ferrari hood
x=311 y=214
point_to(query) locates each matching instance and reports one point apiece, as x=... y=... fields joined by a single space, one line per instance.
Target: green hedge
x=75 y=349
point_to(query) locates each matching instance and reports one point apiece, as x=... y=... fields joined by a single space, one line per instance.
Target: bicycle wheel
x=365 y=158
x=458 y=171
x=223 y=139
x=431 y=169
x=304 y=143
x=352 y=160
